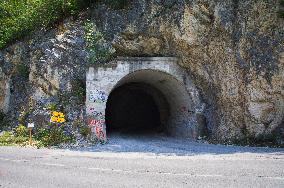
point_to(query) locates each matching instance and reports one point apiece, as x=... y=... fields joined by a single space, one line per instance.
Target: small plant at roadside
x=43 y=137
x=21 y=131
x=19 y=136
x=8 y=138
x=53 y=136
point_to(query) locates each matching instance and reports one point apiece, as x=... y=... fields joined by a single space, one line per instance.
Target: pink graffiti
x=95 y=122
x=100 y=133
x=97 y=127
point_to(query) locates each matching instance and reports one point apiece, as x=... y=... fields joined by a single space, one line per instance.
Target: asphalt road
x=197 y=165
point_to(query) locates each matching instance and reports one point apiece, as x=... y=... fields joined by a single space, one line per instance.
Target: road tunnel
x=149 y=101
x=139 y=95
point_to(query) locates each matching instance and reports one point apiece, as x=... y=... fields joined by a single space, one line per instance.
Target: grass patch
x=54 y=136
x=20 y=17
x=43 y=137
x=9 y=139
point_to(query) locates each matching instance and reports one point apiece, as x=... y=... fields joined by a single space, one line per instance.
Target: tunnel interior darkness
x=132 y=108
x=149 y=101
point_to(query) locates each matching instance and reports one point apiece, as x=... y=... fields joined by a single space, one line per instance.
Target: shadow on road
x=160 y=144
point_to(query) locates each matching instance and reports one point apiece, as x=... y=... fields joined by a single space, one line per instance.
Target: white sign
x=31 y=125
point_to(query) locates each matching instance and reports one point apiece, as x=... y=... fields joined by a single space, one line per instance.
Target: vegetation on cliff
x=19 y=18
x=96 y=45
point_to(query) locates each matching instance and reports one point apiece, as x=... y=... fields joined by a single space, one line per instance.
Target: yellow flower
x=55 y=113
x=54 y=119
x=61 y=115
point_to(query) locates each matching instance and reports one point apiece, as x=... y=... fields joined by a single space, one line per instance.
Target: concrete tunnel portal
x=142 y=95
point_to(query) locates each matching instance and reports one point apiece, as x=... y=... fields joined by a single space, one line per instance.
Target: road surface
x=142 y=162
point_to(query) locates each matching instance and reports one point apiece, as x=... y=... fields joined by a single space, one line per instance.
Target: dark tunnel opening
x=132 y=109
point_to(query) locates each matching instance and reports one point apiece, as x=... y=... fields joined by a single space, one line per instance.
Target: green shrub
x=21 y=131
x=19 y=136
x=20 y=140
x=8 y=138
x=53 y=136
x=99 y=51
x=43 y=137
x=85 y=131
x=82 y=128
x=19 y=18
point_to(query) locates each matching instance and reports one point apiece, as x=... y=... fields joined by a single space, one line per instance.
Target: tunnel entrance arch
x=135 y=108
x=142 y=93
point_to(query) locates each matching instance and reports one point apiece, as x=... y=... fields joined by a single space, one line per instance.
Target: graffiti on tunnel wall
x=96 y=118
x=97 y=125
x=97 y=96
x=93 y=112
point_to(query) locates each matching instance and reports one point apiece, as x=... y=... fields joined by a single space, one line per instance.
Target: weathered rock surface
x=53 y=59
x=234 y=51
x=4 y=92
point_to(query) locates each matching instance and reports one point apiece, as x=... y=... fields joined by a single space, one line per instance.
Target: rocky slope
x=233 y=50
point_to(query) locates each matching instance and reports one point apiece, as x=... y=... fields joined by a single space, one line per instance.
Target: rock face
x=4 y=92
x=40 y=71
x=233 y=50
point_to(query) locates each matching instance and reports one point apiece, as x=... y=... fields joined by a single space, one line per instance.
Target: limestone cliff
x=233 y=50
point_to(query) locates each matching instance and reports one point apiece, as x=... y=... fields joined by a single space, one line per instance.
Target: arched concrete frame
x=170 y=86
